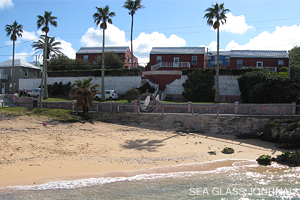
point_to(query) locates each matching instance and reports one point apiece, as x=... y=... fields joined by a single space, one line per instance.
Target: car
x=109 y=94
x=34 y=92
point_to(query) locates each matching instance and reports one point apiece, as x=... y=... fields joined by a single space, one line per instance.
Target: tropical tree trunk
x=102 y=70
x=13 y=70
x=131 y=41
x=217 y=93
x=45 y=94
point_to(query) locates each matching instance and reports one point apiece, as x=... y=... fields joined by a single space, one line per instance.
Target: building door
x=176 y=62
x=3 y=88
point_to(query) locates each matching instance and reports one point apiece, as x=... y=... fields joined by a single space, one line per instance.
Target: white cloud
x=25 y=55
x=29 y=35
x=67 y=48
x=142 y=45
x=25 y=36
x=4 y=4
x=113 y=37
x=212 y=46
x=235 y=24
x=283 y=38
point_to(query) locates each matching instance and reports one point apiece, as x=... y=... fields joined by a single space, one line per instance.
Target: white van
x=109 y=94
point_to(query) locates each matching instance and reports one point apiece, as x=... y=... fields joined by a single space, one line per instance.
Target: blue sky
x=251 y=24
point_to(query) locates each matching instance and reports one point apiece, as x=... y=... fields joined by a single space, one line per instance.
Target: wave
x=236 y=166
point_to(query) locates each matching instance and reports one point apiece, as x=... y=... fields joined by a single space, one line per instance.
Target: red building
x=91 y=54
x=176 y=58
x=166 y=63
x=271 y=60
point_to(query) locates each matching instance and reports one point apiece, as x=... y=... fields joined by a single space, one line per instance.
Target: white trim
x=259 y=62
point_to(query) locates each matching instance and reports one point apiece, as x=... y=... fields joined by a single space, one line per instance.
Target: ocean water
x=240 y=180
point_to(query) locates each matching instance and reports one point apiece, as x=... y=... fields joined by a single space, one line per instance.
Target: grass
x=57 y=114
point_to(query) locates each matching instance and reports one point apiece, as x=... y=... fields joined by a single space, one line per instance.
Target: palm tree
x=14 y=31
x=86 y=93
x=101 y=17
x=45 y=21
x=215 y=16
x=52 y=47
x=132 y=6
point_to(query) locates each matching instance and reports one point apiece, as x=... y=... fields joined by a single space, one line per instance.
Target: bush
x=59 y=89
x=199 y=86
x=265 y=87
x=132 y=94
x=146 y=86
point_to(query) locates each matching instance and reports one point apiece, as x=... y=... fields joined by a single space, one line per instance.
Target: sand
x=31 y=153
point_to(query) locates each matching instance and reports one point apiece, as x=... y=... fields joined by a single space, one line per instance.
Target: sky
x=250 y=25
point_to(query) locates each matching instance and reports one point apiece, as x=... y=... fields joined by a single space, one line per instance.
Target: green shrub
x=265 y=87
x=59 y=89
x=146 y=86
x=199 y=86
x=132 y=94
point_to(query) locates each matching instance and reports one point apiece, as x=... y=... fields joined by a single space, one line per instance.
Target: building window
x=158 y=59
x=86 y=57
x=35 y=73
x=259 y=64
x=194 y=60
x=10 y=87
x=227 y=58
x=209 y=58
x=280 y=63
x=239 y=64
x=26 y=73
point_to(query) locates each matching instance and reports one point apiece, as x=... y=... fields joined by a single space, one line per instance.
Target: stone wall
x=226 y=124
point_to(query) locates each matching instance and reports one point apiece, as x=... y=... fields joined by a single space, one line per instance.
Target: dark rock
x=228 y=150
x=287 y=135
x=264 y=160
x=291 y=158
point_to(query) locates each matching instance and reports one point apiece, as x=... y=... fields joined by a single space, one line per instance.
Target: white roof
x=18 y=63
x=258 y=54
x=178 y=50
x=96 y=50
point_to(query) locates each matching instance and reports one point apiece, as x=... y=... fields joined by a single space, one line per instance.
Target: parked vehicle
x=34 y=92
x=109 y=94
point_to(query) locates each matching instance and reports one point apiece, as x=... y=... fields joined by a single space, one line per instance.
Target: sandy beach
x=31 y=153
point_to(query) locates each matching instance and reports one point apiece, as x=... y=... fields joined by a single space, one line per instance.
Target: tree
x=294 y=55
x=45 y=21
x=86 y=93
x=215 y=16
x=112 y=61
x=101 y=17
x=132 y=6
x=52 y=48
x=14 y=31
x=199 y=86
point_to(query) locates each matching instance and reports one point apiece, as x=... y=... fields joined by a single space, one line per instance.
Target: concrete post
x=294 y=108
x=111 y=103
x=236 y=108
x=73 y=104
x=189 y=104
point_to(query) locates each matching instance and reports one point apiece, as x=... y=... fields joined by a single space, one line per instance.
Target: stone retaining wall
x=223 y=124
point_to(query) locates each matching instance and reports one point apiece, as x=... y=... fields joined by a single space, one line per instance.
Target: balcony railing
x=171 y=64
x=3 y=77
x=269 y=69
